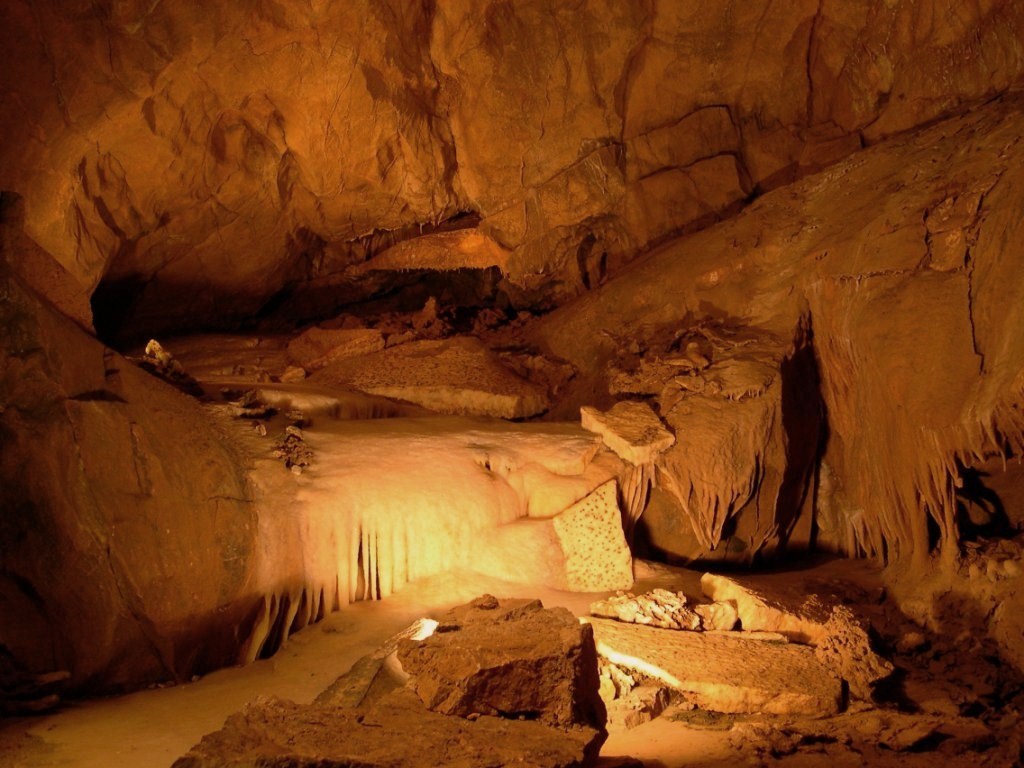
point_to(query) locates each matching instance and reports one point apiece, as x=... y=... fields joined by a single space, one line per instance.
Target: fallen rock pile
x=667 y=610
x=500 y=682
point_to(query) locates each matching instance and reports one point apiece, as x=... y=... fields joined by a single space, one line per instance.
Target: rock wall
x=898 y=271
x=126 y=534
x=194 y=160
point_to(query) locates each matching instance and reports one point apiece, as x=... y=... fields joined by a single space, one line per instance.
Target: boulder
x=395 y=731
x=509 y=658
x=128 y=533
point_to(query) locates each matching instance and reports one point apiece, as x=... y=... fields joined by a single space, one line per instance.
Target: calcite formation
x=597 y=557
x=882 y=366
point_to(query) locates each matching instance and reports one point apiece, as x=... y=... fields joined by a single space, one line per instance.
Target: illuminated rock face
x=194 y=161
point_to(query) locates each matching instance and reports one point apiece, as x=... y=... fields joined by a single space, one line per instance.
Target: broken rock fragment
x=509 y=658
x=394 y=731
x=631 y=429
x=454 y=376
x=658 y=608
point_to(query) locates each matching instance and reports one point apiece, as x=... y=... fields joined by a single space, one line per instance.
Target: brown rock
x=840 y=640
x=395 y=731
x=724 y=672
x=128 y=536
x=631 y=429
x=456 y=376
x=317 y=347
x=510 y=658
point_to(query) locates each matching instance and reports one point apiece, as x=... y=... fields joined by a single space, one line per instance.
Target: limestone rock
x=509 y=658
x=721 y=616
x=129 y=536
x=723 y=672
x=839 y=639
x=639 y=706
x=455 y=376
x=581 y=549
x=316 y=347
x=395 y=731
x=658 y=608
x=597 y=557
x=164 y=138
x=443 y=251
x=631 y=429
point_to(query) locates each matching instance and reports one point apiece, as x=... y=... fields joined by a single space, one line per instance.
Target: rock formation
x=497 y=683
x=770 y=249
x=194 y=164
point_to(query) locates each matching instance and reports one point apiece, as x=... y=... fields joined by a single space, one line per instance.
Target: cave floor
x=920 y=722
x=950 y=698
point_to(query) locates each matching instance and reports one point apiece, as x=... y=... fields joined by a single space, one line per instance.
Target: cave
x=426 y=382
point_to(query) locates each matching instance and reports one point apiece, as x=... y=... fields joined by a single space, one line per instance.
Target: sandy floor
x=151 y=728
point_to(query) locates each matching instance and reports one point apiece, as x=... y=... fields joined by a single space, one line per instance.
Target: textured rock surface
x=631 y=429
x=396 y=731
x=840 y=640
x=144 y=139
x=915 y=354
x=127 y=531
x=318 y=347
x=456 y=376
x=510 y=658
x=597 y=557
x=580 y=549
x=724 y=672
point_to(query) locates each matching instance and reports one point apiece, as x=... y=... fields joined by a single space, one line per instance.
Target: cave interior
x=335 y=335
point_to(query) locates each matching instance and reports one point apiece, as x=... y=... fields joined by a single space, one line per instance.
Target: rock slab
x=724 y=672
x=632 y=429
x=840 y=640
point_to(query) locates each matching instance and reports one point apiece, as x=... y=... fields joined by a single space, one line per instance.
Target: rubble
x=160 y=362
x=666 y=610
x=490 y=683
